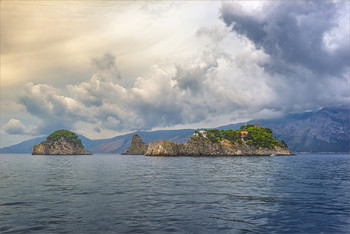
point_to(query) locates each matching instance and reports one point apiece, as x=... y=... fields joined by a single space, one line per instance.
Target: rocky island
x=138 y=147
x=248 y=140
x=61 y=142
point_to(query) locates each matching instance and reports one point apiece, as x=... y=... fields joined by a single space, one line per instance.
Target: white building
x=200 y=133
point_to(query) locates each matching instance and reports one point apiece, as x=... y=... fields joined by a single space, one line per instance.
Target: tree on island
x=257 y=136
x=67 y=135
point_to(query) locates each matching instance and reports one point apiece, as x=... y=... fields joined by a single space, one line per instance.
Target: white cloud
x=182 y=94
x=14 y=127
x=53 y=109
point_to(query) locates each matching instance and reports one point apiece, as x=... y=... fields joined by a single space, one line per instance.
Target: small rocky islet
x=138 y=147
x=246 y=141
x=61 y=142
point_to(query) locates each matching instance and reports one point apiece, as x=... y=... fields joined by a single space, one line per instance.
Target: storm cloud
x=307 y=48
x=184 y=68
x=182 y=94
x=296 y=33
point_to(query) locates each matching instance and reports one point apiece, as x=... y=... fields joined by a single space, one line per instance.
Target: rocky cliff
x=61 y=142
x=201 y=146
x=138 y=147
x=162 y=148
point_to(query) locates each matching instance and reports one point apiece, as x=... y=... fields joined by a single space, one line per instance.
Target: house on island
x=200 y=133
x=244 y=133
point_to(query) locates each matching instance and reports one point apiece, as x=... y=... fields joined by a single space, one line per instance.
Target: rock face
x=138 y=147
x=201 y=146
x=60 y=144
x=162 y=148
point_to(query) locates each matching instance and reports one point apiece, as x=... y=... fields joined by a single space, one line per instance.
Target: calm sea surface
x=139 y=194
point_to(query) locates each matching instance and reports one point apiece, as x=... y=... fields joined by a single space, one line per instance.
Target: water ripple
x=137 y=194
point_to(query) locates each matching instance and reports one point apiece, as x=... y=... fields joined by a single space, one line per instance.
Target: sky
x=105 y=68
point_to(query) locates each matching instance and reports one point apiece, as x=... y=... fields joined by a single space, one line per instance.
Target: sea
x=306 y=193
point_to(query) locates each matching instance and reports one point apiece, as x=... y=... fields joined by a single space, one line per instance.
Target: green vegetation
x=252 y=135
x=67 y=135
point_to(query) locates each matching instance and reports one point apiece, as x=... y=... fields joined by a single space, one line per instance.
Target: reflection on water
x=130 y=194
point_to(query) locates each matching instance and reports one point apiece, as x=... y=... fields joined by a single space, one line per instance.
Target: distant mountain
x=324 y=130
x=24 y=147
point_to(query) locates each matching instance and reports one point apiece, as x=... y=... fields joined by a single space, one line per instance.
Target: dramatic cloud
x=300 y=33
x=307 y=44
x=55 y=111
x=172 y=65
x=182 y=94
x=14 y=126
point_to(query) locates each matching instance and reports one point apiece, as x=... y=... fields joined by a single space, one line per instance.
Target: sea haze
x=138 y=194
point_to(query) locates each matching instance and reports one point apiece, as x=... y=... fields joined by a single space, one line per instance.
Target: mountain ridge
x=324 y=130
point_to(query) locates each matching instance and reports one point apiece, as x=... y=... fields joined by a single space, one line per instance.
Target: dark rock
x=138 y=147
x=162 y=148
